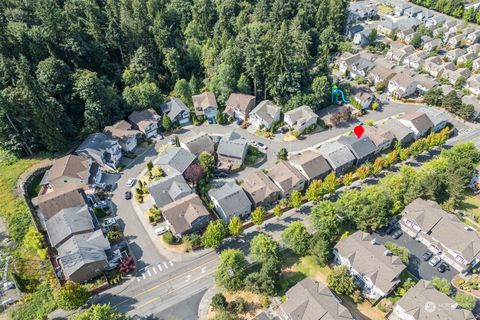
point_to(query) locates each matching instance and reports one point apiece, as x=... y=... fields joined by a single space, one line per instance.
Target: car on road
x=443 y=267
x=397 y=234
x=101 y=204
x=128 y=195
x=107 y=223
x=261 y=146
x=390 y=228
x=131 y=182
x=427 y=255
x=434 y=261
x=160 y=230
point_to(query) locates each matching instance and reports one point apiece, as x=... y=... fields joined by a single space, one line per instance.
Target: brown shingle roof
x=378 y=135
x=419 y=119
x=121 y=129
x=143 y=118
x=259 y=186
x=203 y=101
x=242 y=101
x=285 y=175
x=70 y=166
x=52 y=202
x=183 y=213
x=313 y=164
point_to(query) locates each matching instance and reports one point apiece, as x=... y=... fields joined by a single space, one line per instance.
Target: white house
x=300 y=118
x=265 y=114
x=402 y=85
x=418 y=122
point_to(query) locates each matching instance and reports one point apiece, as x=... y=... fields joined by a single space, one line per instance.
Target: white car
x=261 y=146
x=109 y=222
x=131 y=182
x=160 y=230
x=434 y=261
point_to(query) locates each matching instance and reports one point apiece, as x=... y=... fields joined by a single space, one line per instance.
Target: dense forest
x=454 y=8
x=71 y=67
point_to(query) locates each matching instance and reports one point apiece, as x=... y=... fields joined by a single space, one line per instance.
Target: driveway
x=416 y=266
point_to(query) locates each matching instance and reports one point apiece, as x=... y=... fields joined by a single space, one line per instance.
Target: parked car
x=283 y=130
x=427 y=255
x=160 y=230
x=220 y=175
x=131 y=182
x=390 y=228
x=128 y=195
x=107 y=223
x=261 y=146
x=434 y=261
x=397 y=234
x=443 y=267
x=101 y=204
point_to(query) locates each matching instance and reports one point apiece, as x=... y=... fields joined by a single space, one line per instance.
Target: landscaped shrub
x=168 y=237
x=219 y=302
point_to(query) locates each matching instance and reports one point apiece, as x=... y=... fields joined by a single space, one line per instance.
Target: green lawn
x=471 y=205
x=34 y=187
x=296 y=269
x=384 y=9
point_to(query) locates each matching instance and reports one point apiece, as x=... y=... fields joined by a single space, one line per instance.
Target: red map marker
x=358 y=130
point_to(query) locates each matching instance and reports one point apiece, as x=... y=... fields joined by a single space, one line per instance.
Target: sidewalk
x=205 y=303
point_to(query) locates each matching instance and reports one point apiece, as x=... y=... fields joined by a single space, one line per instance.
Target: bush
x=168 y=237
x=219 y=302
x=465 y=301
x=264 y=302
x=238 y=305
x=398 y=251
x=193 y=240
x=357 y=296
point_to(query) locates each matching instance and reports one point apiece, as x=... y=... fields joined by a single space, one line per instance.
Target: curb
x=205 y=302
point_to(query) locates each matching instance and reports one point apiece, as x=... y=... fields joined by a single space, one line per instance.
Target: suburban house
x=402 y=85
x=423 y=301
x=454 y=54
x=437 y=116
x=386 y=27
x=433 y=66
x=186 y=215
x=412 y=12
x=50 y=203
x=405 y=34
x=474 y=48
x=300 y=118
x=476 y=65
x=287 y=178
x=169 y=189
x=362 y=97
x=260 y=189
x=232 y=149
x=265 y=114
x=198 y=143
x=402 y=133
x=425 y=83
x=71 y=170
x=375 y=269
x=454 y=76
x=311 y=164
x=239 y=105
x=473 y=38
x=467 y=56
x=205 y=105
x=83 y=257
x=102 y=149
x=399 y=54
x=418 y=122
x=435 y=21
x=362 y=148
x=380 y=74
x=361 y=11
x=67 y=223
x=432 y=45
x=309 y=299
x=230 y=200
x=147 y=121
x=415 y=61
x=400 y=8
x=424 y=15
x=361 y=38
x=352 y=30
x=473 y=85
x=126 y=136
x=475 y=103
x=455 y=41
x=381 y=138
x=338 y=156
x=443 y=233
x=175 y=160
x=176 y=110
x=355 y=65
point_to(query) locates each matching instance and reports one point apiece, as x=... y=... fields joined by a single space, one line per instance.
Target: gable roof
x=176 y=158
x=266 y=110
x=241 y=101
x=399 y=130
x=232 y=145
x=361 y=147
x=52 y=202
x=308 y=300
x=378 y=135
x=173 y=107
x=337 y=154
x=312 y=163
x=182 y=213
x=230 y=197
x=203 y=101
x=370 y=259
x=435 y=115
x=121 y=130
x=419 y=120
x=67 y=222
x=72 y=166
x=285 y=175
x=198 y=143
x=169 y=189
x=142 y=119
x=95 y=146
x=259 y=186
x=301 y=114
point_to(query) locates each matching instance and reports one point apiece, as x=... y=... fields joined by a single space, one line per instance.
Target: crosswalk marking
x=165 y=264
x=160 y=267
x=149 y=274
x=148 y=270
x=154 y=270
x=143 y=276
x=171 y=263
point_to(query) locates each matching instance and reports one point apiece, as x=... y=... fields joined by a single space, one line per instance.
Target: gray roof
x=285 y=176
x=360 y=147
x=231 y=198
x=308 y=300
x=336 y=154
x=312 y=163
x=435 y=115
x=95 y=146
x=399 y=130
x=232 y=145
x=68 y=222
x=176 y=158
x=416 y=301
x=82 y=249
x=419 y=120
x=173 y=107
x=169 y=189
x=370 y=260
x=266 y=110
x=198 y=143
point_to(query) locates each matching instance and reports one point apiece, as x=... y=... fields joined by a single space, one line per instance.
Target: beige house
x=287 y=178
x=239 y=105
x=311 y=164
x=300 y=118
x=186 y=215
x=122 y=132
x=260 y=189
x=205 y=105
x=147 y=121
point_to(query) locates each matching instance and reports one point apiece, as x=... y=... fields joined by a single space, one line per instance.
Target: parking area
x=416 y=266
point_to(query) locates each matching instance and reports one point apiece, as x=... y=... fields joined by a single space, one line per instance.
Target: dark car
x=128 y=195
x=427 y=255
x=390 y=228
x=443 y=267
x=397 y=234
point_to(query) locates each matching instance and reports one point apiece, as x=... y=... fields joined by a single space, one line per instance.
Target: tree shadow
x=121 y=303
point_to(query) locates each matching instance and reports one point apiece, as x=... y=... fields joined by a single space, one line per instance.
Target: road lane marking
x=154 y=270
x=160 y=267
x=204 y=269
x=166 y=265
x=149 y=274
x=138 y=279
x=171 y=263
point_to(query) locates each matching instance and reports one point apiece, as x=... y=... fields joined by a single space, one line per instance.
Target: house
x=230 y=200
x=476 y=65
x=380 y=74
x=450 y=23
x=352 y=30
x=386 y=27
x=432 y=45
x=176 y=110
x=402 y=85
x=147 y=121
x=418 y=122
x=72 y=170
x=421 y=301
x=473 y=101
x=49 y=204
x=300 y=118
x=405 y=34
x=102 y=149
x=362 y=97
x=473 y=85
x=381 y=138
x=122 y=132
x=260 y=189
x=400 y=8
x=265 y=114
x=424 y=15
x=287 y=178
x=412 y=12
x=338 y=156
x=467 y=56
x=361 y=37
x=435 y=21
x=433 y=66
x=454 y=42
x=175 y=160
x=83 y=257
x=362 y=148
x=239 y=105
x=415 y=61
x=361 y=11
x=425 y=83
x=67 y=223
x=443 y=233
x=398 y=54
x=375 y=269
x=205 y=105
x=473 y=38
x=309 y=299
x=474 y=48
x=437 y=116
x=458 y=28
x=311 y=164
x=355 y=65
x=454 y=54
x=198 y=143
x=232 y=149
x=186 y=215
x=454 y=76
x=402 y=133
x=169 y=189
